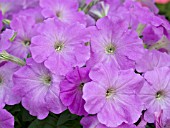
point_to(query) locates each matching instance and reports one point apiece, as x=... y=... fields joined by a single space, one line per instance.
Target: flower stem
x=6 y=21
x=90 y=5
x=7 y=57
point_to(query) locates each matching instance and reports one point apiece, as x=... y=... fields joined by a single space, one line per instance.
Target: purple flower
x=9 y=7
x=150 y=4
x=7 y=96
x=6 y=119
x=32 y=12
x=24 y=26
x=152 y=59
x=112 y=95
x=92 y=122
x=64 y=10
x=155 y=93
x=71 y=90
x=152 y=34
x=39 y=89
x=62 y=46
x=111 y=41
x=130 y=13
x=157 y=38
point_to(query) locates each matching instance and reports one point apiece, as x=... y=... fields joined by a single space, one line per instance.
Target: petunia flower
x=6 y=119
x=7 y=95
x=32 y=12
x=71 y=90
x=39 y=89
x=152 y=59
x=130 y=13
x=61 y=44
x=64 y=10
x=152 y=34
x=111 y=41
x=112 y=95
x=24 y=26
x=155 y=93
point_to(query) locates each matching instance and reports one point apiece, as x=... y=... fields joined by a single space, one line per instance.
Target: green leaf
x=164 y=10
x=26 y=116
x=150 y=125
x=66 y=116
x=49 y=122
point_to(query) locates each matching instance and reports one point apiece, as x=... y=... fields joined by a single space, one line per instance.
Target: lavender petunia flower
x=111 y=41
x=92 y=122
x=155 y=93
x=39 y=89
x=32 y=12
x=71 y=90
x=6 y=119
x=64 y=10
x=24 y=26
x=152 y=34
x=152 y=59
x=9 y=7
x=130 y=13
x=112 y=95
x=61 y=44
x=7 y=96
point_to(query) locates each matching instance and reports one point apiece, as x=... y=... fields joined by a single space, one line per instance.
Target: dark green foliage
x=164 y=10
x=24 y=120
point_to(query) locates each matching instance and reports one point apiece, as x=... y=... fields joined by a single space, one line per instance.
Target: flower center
x=159 y=94
x=27 y=42
x=110 y=92
x=59 y=46
x=110 y=49
x=58 y=14
x=47 y=80
x=81 y=86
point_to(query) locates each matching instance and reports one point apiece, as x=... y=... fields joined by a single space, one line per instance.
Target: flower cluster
x=105 y=60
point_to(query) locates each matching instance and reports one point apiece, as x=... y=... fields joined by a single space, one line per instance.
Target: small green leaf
x=26 y=116
x=66 y=116
x=49 y=122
